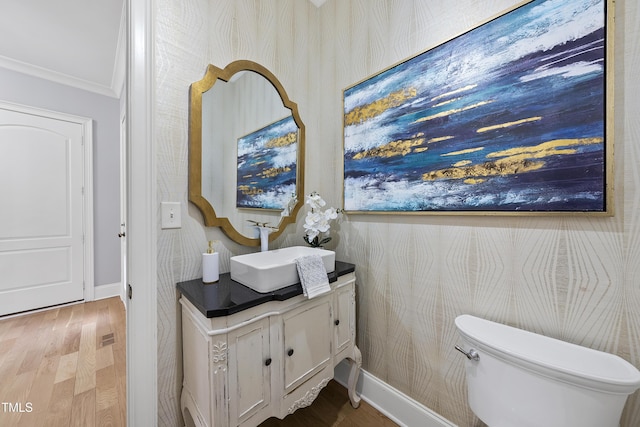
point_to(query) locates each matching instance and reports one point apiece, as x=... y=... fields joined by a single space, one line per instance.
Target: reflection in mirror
x=239 y=172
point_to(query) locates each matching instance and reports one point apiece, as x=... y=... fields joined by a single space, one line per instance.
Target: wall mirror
x=243 y=166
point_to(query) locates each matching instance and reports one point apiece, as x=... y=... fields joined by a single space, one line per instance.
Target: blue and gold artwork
x=507 y=117
x=267 y=160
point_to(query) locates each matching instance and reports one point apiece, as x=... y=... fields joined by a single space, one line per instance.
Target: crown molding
x=46 y=74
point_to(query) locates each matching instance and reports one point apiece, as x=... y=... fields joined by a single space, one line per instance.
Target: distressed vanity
x=249 y=356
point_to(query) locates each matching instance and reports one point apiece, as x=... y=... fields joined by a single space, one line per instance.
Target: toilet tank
x=528 y=380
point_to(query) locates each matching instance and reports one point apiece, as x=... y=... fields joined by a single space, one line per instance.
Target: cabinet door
x=249 y=371
x=307 y=342
x=344 y=317
x=197 y=374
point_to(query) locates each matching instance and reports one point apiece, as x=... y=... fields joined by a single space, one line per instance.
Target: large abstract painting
x=267 y=166
x=511 y=116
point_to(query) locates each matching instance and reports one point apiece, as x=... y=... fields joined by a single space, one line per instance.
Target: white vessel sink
x=270 y=270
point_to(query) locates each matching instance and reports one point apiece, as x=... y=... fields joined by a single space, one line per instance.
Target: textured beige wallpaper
x=190 y=34
x=570 y=278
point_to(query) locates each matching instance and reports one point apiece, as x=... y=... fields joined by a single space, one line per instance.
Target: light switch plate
x=170 y=212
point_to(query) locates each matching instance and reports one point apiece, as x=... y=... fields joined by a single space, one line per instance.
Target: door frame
x=87 y=202
x=124 y=182
x=142 y=221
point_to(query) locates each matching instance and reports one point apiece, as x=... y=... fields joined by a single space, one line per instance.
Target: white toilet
x=517 y=378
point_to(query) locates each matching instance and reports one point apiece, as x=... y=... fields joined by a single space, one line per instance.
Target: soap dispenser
x=210 y=267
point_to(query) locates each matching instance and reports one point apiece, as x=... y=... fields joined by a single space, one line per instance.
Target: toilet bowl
x=517 y=378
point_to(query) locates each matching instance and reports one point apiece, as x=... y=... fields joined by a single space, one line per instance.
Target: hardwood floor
x=333 y=409
x=64 y=367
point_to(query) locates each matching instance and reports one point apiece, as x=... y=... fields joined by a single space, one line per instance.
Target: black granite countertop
x=227 y=296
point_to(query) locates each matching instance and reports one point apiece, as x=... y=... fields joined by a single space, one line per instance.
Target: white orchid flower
x=315 y=201
x=317 y=221
x=311 y=225
x=330 y=214
x=312 y=220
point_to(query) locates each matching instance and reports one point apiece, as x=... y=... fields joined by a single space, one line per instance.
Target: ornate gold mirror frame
x=197 y=89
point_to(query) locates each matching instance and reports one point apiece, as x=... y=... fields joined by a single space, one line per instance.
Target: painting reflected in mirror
x=267 y=166
x=246 y=151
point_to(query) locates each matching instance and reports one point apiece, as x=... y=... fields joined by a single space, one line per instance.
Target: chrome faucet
x=264 y=229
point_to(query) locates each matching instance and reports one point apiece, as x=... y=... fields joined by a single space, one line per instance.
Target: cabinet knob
x=337 y=322
x=267 y=362
x=290 y=352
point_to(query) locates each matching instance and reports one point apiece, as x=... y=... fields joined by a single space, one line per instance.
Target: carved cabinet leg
x=354 y=373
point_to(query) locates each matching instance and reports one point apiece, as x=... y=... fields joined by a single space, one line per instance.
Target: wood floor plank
x=83 y=409
x=51 y=315
x=67 y=366
x=57 y=420
x=77 y=313
x=59 y=411
x=71 y=341
x=10 y=418
x=42 y=388
x=31 y=419
x=86 y=372
x=118 y=324
x=62 y=318
x=16 y=329
x=54 y=343
x=104 y=357
x=9 y=371
x=109 y=417
x=33 y=321
x=31 y=360
x=38 y=333
x=7 y=349
x=121 y=382
x=90 y=311
x=6 y=325
x=106 y=388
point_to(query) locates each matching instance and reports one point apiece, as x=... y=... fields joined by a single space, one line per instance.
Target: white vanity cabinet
x=267 y=360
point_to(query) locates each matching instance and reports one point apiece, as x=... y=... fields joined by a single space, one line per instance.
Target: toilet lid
x=552 y=357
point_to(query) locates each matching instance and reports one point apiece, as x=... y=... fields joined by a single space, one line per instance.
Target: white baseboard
x=394 y=404
x=107 y=291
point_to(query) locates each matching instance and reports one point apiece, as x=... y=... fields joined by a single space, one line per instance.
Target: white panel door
x=41 y=211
